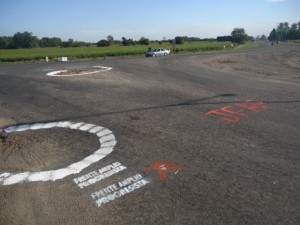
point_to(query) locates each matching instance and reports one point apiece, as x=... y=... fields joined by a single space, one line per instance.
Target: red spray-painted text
x=233 y=113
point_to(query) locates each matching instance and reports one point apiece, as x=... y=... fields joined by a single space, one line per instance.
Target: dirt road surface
x=206 y=139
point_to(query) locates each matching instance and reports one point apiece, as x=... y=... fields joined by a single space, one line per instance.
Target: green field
x=14 y=55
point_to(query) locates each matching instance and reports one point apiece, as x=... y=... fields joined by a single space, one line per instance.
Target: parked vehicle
x=158 y=52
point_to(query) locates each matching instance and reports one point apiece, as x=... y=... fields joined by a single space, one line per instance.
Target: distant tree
x=71 y=42
x=5 y=42
x=209 y=39
x=250 y=38
x=110 y=39
x=55 y=41
x=263 y=37
x=78 y=44
x=294 y=26
x=64 y=44
x=45 y=42
x=294 y=32
x=224 y=38
x=286 y=26
x=179 y=40
x=273 y=35
x=127 y=42
x=143 y=41
x=194 y=39
x=132 y=42
x=103 y=43
x=50 y=42
x=282 y=31
x=67 y=44
x=239 y=35
x=117 y=42
x=24 y=40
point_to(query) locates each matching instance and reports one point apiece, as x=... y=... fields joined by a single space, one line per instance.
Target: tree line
x=285 y=32
x=238 y=35
x=145 y=41
x=28 y=40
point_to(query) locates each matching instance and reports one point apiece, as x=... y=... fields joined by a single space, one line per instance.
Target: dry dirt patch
x=77 y=71
x=281 y=65
x=44 y=149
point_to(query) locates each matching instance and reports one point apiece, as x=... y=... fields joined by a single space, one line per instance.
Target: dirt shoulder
x=282 y=65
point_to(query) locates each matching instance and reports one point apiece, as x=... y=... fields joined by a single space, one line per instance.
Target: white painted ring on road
x=57 y=73
x=107 y=142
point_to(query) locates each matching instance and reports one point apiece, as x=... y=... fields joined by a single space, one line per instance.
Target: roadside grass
x=294 y=42
x=247 y=45
x=15 y=55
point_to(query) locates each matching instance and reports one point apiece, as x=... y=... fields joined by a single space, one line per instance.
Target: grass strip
x=15 y=55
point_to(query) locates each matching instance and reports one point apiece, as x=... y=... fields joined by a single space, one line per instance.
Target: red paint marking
x=230 y=119
x=229 y=115
x=239 y=112
x=252 y=106
x=163 y=167
x=236 y=119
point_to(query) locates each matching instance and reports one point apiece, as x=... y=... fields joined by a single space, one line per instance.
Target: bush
x=126 y=42
x=143 y=41
x=179 y=40
x=239 y=35
x=103 y=43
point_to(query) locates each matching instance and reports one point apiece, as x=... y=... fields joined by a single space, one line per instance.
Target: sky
x=93 y=20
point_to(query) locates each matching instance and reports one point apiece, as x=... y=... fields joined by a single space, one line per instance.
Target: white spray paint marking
x=98 y=175
x=56 y=73
x=107 y=142
x=117 y=190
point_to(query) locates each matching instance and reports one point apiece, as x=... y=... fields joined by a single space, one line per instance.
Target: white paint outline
x=56 y=73
x=107 y=142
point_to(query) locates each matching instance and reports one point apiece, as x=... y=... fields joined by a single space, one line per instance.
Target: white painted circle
x=56 y=73
x=107 y=142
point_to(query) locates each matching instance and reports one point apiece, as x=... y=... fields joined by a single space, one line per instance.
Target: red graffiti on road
x=163 y=167
x=233 y=113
